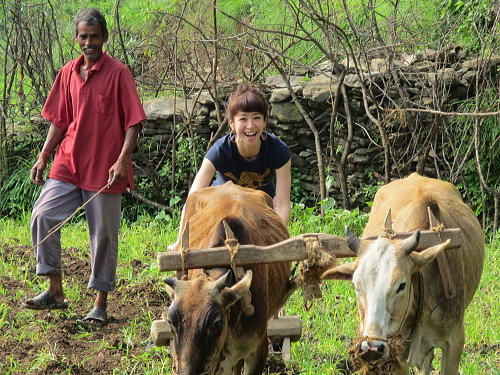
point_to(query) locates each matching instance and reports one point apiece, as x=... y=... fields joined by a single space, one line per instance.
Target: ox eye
x=216 y=327
x=402 y=287
x=171 y=324
x=172 y=321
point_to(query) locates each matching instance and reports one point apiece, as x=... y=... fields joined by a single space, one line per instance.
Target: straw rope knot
x=233 y=247
x=439 y=229
x=184 y=253
x=388 y=232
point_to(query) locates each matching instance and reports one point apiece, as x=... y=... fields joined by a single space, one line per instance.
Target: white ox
x=399 y=291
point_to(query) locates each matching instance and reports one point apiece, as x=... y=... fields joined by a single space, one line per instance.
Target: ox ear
x=352 y=241
x=342 y=272
x=428 y=255
x=233 y=294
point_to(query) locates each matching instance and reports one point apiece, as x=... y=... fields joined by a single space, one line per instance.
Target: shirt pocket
x=104 y=104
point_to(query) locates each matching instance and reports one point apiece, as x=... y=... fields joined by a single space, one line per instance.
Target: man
x=95 y=114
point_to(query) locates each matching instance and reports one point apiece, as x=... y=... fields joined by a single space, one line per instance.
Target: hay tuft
x=310 y=270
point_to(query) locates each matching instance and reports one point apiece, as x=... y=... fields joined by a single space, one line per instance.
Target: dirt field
x=75 y=348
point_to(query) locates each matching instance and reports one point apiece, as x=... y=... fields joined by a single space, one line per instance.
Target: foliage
x=489 y=152
x=169 y=45
x=471 y=20
x=307 y=219
x=156 y=184
x=297 y=193
x=18 y=192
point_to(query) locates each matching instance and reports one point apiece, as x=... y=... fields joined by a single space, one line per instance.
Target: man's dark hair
x=90 y=16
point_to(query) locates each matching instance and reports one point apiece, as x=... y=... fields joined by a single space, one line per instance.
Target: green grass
x=328 y=326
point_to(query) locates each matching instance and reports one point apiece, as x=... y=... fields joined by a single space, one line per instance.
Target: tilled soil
x=70 y=346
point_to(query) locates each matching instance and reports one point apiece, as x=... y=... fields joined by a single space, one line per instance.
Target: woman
x=248 y=156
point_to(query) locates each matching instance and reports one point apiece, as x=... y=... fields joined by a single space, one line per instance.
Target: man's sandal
x=97 y=317
x=45 y=301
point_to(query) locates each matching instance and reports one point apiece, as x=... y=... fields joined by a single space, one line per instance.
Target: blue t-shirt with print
x=256 y=174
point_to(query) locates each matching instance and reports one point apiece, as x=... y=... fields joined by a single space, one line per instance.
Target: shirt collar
x=97 y=66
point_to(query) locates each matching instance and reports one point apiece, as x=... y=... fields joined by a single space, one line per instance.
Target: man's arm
x=119 y=171
x=54 y=136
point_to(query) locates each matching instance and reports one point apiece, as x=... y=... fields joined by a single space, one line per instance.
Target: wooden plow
x=286 y=329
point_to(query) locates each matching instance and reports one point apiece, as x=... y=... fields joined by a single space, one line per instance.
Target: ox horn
x=352 y=241
x=411 y=243
x=222 y=282
x=171 y=282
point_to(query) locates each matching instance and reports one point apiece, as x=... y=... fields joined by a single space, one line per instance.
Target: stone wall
x=414 y=82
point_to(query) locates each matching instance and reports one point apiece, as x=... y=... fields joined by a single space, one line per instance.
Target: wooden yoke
x=292 y=249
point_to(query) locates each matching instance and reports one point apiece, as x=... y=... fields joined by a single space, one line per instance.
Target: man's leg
x=57 y=201
x=103 y=217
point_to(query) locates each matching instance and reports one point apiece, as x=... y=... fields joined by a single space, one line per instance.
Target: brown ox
x=400 y=293
x=211 y=334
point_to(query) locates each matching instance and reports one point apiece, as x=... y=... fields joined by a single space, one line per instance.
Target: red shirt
x=95 y=114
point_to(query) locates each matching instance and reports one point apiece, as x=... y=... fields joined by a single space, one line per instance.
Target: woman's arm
x=204 y=176
x=283 y=186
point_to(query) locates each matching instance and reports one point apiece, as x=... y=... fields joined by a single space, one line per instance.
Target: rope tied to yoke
x=184 y=253
x=310 y=270
x=233 y=247
x=439 y=229
x=388 y=232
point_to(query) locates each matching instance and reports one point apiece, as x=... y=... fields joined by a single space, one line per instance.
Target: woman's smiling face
x=248 y=126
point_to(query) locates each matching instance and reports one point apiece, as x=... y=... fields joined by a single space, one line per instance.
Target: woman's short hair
x=90 y=17
x=247 y=98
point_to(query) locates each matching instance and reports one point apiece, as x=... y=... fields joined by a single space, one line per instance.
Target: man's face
x=90 y=39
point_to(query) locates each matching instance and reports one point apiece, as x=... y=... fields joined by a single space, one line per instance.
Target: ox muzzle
x=372 y=350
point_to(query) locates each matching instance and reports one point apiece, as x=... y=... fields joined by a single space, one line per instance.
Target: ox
x=211 y=333
x=399 y=292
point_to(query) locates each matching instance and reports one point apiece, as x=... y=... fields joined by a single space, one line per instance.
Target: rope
x=389 y=233
x=184 y=253
x=60 y=225
x=233 y=247
x=439 y=229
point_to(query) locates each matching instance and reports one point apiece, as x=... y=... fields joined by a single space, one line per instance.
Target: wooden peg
x=229 y=231
x=388 y=221
x=185 y=236
x=433 y=222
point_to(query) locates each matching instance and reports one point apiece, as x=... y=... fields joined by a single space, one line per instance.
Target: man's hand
x=117 y=173
x=36 y=173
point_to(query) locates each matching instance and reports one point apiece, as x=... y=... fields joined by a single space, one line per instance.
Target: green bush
x=18 y=193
